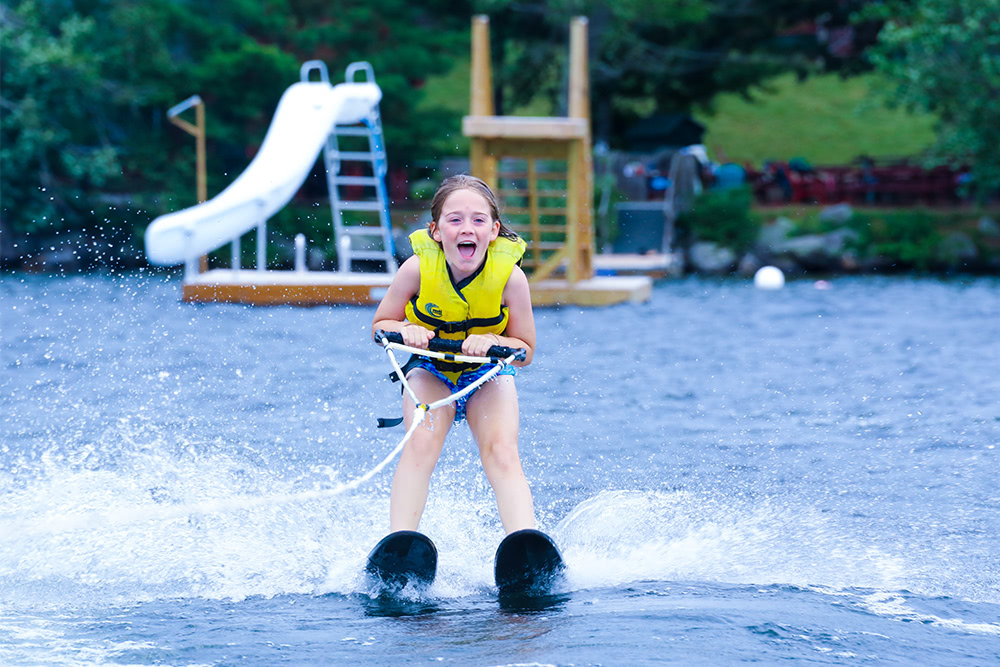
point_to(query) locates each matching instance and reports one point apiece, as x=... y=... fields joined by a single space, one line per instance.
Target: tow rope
x=447 y=350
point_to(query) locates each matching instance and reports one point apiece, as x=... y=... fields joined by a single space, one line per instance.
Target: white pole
x=262 y=245
x=236 y=254
x=300 y=252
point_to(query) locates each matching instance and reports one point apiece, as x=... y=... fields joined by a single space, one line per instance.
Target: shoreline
x=822 y=241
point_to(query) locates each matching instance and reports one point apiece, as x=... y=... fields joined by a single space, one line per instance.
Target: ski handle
x=454 y=346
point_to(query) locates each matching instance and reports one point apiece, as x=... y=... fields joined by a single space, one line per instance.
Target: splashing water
x=817 y=472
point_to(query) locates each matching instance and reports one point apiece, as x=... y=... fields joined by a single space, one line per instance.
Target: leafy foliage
x=944 y=56
x=56 y=145
x=86 y=84
x=651 y=57
x=721 y=216
x=909 y=238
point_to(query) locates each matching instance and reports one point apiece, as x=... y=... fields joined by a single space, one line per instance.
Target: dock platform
x=286 y=288
x=596 y=291
x=654 y=265
x=320 y=288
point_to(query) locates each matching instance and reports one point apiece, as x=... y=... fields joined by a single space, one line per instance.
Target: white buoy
x=769 y=277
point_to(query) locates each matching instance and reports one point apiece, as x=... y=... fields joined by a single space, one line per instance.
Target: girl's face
x=465 y=230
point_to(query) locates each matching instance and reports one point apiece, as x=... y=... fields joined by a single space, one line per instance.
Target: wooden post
x=536 y=232
x=199 y=116
x=579 y=83
x=482 y=70
x=198 y=132
x=574 y=211
x=580 y=234
x=481 y=102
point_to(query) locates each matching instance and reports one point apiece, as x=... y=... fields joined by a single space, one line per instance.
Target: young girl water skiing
x=462 y=283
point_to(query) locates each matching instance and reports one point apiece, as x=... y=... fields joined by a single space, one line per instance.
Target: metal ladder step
x=363 y=230
x=356 y=156
x=352 y=131
x=369 y=254
x=359 y=205
x=370 y=181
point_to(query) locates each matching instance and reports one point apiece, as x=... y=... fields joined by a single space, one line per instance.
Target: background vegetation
x=723 y=217
x=827 y=119
x=85 y=146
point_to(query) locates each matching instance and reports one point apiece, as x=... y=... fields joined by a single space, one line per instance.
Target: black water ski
x=528 y=562
x=403 y=557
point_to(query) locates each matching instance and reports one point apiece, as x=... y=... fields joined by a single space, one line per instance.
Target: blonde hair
x=477 y=185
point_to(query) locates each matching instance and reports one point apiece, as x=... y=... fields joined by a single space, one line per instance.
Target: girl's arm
x=520 y=330
x=391 y=312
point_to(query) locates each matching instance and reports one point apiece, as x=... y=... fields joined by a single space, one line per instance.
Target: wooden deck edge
x=284 y=295
x=598 y=291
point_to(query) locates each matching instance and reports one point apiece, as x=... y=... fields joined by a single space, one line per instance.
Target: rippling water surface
x=732 y=475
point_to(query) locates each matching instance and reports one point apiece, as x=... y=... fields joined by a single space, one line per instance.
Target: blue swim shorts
x=464 y=380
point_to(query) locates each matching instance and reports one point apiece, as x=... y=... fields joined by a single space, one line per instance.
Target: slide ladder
x=356 y=168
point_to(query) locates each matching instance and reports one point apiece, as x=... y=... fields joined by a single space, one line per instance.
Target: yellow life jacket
x=471 y=306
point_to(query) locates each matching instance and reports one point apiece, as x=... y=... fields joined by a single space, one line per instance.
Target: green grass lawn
x=824 y=119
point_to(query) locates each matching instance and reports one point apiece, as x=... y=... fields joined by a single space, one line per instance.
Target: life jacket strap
x=462 y=326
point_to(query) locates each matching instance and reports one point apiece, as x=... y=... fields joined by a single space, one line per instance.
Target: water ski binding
x=402 y=558
x=527 y=563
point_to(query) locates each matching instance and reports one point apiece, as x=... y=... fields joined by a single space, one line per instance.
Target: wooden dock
x=321 y=288
x=281 y=288
x=596 y=291
x=655 y=265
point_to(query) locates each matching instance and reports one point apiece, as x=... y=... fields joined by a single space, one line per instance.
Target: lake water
x=732 y=475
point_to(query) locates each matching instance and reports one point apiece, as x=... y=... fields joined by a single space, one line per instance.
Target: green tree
x=56 y=148
x=944 y=57
x=654 y=56
x=86 y=84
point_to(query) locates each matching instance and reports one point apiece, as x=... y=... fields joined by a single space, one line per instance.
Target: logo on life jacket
x=433 y=310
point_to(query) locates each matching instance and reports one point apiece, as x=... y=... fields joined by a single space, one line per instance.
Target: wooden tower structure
x=542 y=170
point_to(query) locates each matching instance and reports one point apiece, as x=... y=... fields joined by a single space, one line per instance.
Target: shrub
x=907 y=236
x=722 y=217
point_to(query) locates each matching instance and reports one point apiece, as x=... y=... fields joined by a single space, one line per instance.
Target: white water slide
x=306 y=115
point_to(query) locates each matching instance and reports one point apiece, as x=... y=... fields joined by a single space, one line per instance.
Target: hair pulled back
x=477 y=185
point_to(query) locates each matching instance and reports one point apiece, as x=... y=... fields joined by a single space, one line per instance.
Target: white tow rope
x=422 y=408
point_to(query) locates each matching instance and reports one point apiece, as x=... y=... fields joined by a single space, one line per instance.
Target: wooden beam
x=524 y=229
x=580 y=233
x=541 y=175
x=481 y=90
x=574 y=205
x=525 y=148
x=542 y=194
x=524 y=127
x=536 y=234
x=543 y=210
x=579 y=84
x=546 y=268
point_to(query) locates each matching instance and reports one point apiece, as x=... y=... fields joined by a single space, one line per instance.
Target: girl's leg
x=493 y=416
x=421 y=452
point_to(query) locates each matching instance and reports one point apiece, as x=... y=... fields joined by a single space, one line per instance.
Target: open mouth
x=467 y=249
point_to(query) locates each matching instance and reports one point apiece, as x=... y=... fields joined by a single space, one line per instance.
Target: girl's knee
x=501 y=456
x=424 y=450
